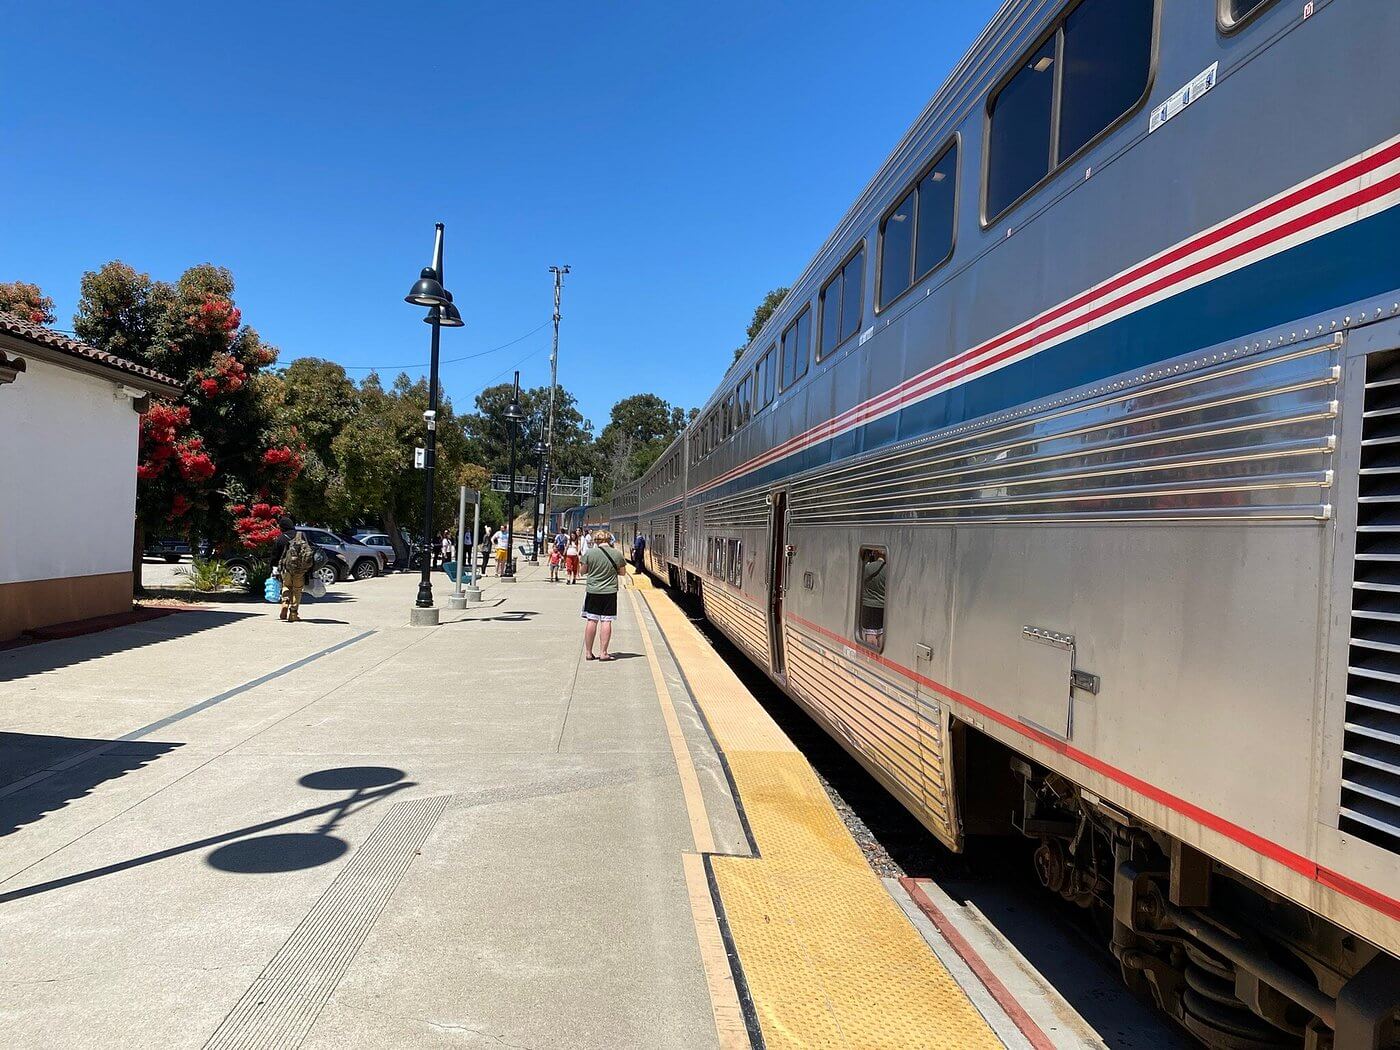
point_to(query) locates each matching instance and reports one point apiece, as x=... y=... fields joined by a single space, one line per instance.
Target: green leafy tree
x=373 y=456
x=314 y=399
x=761 y=313
x=638 y=431
x=122 y=310
x=26 y=300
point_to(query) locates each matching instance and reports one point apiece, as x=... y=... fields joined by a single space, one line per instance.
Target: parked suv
x=380 y=542
x=363 y=562
x=330 y=566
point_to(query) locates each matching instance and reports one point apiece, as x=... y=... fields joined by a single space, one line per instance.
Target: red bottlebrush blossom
x=195 y=464
x=179 y=506
x=238 y=508
x=215 y=315
x=258 y=527
x=209 y=386
x=37 y=317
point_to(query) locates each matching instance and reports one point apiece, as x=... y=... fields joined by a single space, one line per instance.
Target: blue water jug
x=272 y=590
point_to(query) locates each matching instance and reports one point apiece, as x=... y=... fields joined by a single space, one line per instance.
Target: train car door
x=777 y=577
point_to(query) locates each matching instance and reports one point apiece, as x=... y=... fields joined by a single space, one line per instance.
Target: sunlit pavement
x=219 y=828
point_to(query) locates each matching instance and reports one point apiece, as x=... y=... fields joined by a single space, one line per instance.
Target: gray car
x=362 y=561
x=380 y=542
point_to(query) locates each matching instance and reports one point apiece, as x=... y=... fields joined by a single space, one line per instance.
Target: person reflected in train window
x=871 y=624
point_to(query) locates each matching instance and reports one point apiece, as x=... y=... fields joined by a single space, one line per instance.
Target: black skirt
x=600 y=606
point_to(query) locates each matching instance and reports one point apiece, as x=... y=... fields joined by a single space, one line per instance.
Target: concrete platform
x=220 y=829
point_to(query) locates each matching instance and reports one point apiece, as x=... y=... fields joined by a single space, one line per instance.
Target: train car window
x=1107 y=56
x=736 y=562
x=1233 y=12
x=797 y=341
x=897 y=249
x=727 y=417
x=852 y=294
x=1018 y=147
x=841 y=304
x=933 y=241
x=830 y=300
x=870 y=614
x=763 y=375
x=743 y=401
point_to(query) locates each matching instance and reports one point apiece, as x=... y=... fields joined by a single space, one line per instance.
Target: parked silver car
x=363 y=561
x=380 y=542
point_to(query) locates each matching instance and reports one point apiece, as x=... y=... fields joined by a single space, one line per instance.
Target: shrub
x=208 y=574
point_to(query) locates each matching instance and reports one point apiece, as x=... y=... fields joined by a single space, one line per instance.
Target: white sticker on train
x=1200 y=84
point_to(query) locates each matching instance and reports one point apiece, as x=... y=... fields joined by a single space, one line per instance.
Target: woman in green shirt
x=601 y=565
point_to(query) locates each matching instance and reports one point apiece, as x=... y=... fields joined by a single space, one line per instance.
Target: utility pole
x=543 y=503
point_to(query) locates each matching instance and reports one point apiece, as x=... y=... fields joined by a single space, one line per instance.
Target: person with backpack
x=293 y=567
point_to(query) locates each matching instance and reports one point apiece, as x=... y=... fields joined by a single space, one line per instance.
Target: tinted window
x=870 y=615
x=1107 y=52
x=1019 y=140
x=897 y=249
x=1234 y=10
x=831 y=315
x=796 y=341
x=743 y=400
x=852 y=279
x=935 y=226
x=764 y=376
x=727 y=415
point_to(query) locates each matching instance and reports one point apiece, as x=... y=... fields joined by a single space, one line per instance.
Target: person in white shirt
x=498 y=544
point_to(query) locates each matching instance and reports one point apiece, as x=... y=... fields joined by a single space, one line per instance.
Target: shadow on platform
x=69 y=775
x=246 y=850
x=40 y=657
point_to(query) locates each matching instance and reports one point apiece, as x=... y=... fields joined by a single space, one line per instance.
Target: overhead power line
x=450 y=360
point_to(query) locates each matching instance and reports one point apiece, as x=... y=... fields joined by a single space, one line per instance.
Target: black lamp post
x=514 y=416
x=539 y=497
x=429 y=292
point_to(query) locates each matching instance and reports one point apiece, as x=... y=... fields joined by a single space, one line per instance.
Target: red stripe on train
x=1373 y=899
x=899 y=393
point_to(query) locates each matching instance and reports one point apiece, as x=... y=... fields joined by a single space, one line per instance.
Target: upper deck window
x=841 y=304
x=1088 y=73
x=764 y=376
x=743 y=400
x=917 y=234
x=797 y=342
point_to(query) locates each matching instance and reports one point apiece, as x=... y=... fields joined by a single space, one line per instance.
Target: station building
x=69 y=427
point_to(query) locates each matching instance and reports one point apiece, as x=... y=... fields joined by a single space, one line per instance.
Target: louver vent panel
x=1371 y=745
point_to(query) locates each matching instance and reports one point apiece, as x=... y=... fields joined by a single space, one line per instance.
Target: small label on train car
x=1200 y=84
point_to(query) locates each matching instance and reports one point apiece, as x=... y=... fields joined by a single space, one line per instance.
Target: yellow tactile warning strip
x=730 y=1026
x=828 y=957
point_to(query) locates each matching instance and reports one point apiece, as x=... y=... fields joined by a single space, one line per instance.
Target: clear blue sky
x=683 y=159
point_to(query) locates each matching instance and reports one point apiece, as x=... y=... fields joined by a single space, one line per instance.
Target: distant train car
x=1063 y=489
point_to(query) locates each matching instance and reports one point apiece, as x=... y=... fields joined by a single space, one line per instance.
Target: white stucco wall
x=67 y=475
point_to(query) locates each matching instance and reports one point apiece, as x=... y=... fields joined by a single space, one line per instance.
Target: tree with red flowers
x=26 y=300
x=217 y=446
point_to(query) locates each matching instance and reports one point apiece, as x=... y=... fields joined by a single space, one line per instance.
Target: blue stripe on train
x=1337 y=269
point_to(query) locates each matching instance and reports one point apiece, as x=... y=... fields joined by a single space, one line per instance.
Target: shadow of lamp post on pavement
x=239 y=852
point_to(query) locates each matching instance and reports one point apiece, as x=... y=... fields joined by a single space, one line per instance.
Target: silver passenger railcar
x=1063 y=490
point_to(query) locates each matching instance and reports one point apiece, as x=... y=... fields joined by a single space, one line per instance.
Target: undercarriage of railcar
x=1240 y=968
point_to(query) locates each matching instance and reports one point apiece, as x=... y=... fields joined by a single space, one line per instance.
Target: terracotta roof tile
x=18 y=327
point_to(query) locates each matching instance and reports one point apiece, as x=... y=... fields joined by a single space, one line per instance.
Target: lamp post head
x=448 y=314
x=427 y=291
x=514 y=413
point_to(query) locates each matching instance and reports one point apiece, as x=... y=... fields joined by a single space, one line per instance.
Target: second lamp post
x=514 y=416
